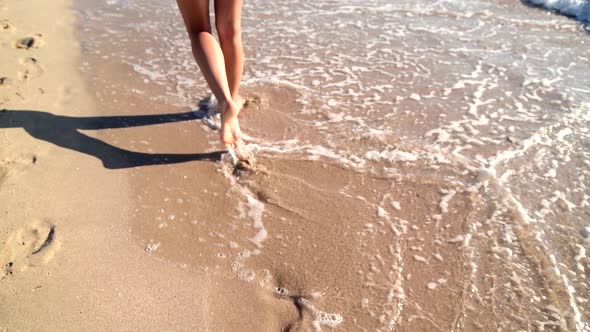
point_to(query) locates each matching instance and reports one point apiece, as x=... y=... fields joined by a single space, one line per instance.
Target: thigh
x=195 y=14
x=228 y=12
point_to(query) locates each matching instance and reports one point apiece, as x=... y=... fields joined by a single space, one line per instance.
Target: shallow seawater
x=420 y=165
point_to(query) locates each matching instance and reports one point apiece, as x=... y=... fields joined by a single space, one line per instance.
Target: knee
x=229 y=31
x=195 y=32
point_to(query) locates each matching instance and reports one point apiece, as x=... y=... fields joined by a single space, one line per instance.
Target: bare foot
x=231 y=135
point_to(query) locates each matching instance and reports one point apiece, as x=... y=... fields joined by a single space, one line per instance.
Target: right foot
x=231 y=135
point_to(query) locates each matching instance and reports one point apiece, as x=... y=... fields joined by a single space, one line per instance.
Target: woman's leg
x=210 y=59
x=228 y=21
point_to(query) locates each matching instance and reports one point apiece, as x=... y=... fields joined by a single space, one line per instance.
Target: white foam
x=151 y=247
x=563 y=133
x=570 y=290
x=391 y=156
x=327 y=319
x=457 y=239
x=256 y=209
x=502 y=251
x=415 y=96
x=321 y=318
x=444 y=202
x=153 y=75
x=381 y=213
x=421 y=259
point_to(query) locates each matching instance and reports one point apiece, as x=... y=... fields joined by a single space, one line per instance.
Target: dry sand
x=65 y=263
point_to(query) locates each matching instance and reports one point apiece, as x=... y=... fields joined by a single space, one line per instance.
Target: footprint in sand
x=32 y=245
x=3 y=174
x=6 y=26
x=26 y=43
x=5 y=81
x=65 y=95
x=10 y=167
x=29 y=68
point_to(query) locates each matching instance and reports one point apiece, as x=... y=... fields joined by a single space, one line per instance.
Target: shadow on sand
x=63 y=131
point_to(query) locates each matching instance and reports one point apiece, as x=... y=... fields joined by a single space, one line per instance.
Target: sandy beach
x=66 y=259
x=425 y=170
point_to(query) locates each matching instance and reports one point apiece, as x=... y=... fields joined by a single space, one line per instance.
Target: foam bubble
x=391 y=156
x=327 y=319
x=421 y=259
x=256 y=209
x=457 y=239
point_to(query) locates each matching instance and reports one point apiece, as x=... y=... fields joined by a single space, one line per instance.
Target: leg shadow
x=64 y=131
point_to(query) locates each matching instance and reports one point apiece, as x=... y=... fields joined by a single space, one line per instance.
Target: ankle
x=225 y=104
x=228 y=108
x=238 y=100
